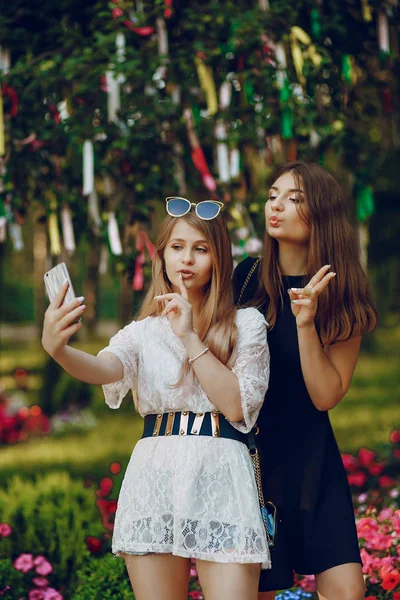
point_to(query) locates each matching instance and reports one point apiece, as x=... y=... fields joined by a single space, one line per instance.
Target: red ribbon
x=199 y=161
x=143 y=31
x=8 y=91
x=168 y=9
x=142 y=242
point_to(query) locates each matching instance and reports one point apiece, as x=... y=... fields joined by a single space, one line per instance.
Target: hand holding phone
x=63 y=316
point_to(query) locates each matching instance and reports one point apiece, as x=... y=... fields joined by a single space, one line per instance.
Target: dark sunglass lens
x=207 y=210
x=178 y=206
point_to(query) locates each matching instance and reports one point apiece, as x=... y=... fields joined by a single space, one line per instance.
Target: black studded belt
x=212 y=424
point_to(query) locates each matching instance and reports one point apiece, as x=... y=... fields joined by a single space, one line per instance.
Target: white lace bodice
x=152 y=357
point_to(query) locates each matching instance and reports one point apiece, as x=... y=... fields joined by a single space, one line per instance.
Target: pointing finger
x=182 y=287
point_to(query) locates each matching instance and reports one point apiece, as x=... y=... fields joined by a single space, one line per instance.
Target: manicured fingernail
x=295 y=301
x=81 y=298
x=334 y=274
x=294 y=289
x=156 y=297
x=289 y=290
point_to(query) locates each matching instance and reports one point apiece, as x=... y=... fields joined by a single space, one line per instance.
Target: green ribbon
x=315 y=24
x=346 y=68
x=365 y=203
x=287 y=111
x=287 y=123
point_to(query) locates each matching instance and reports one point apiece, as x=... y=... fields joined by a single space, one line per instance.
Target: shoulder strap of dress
x=249 y=276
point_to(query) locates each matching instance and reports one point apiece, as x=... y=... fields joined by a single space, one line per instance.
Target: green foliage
x=50 y=516
x=12 y=579
x=61 y=389
x=103 y=577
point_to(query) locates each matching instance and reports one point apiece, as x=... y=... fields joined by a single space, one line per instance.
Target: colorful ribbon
x=297 y=36
x=207 y=85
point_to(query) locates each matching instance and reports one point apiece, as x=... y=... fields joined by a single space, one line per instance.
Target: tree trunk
x=91 y=284
x=40 y=266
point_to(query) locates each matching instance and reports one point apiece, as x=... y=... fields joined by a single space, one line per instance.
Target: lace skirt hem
x=262 y=559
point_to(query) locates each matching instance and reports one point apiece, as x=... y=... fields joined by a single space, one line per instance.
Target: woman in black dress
x=315 y=294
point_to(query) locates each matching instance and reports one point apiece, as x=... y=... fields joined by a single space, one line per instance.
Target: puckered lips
x=186 y=273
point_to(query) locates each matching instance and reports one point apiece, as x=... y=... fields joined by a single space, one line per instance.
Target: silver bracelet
x=191 y=360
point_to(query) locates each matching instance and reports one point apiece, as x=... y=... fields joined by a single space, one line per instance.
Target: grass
x=365 y=416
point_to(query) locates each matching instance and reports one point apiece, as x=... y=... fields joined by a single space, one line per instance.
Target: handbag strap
x=249 y=276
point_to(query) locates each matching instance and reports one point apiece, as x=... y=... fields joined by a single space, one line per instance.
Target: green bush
x=12 y=582
x=50 y=516
x=104 y=577
x=60 y=389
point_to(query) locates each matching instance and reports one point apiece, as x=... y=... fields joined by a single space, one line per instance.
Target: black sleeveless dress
x=303 y=473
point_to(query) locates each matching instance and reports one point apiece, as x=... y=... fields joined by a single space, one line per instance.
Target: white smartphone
x=55 y=278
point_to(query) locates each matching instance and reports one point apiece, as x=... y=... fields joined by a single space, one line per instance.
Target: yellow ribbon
x=366 y=11
x=2 y=146
x=207 y=84
x=297 y=36
x=54 y=235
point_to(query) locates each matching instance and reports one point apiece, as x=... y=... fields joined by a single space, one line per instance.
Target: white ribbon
x=16 y=236
x=113 y=234
x=383 y=32
x=88 y=167
x=67 y=230
x=234 y=163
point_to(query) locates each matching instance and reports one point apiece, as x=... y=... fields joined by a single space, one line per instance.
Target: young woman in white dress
x=200 y=370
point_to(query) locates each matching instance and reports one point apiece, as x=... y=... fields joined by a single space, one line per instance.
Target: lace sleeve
x=125 y=345
x=252 y=365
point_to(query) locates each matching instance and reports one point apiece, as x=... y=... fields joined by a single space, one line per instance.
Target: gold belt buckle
x=215 y=429
x=157 y=425
x=170 y=423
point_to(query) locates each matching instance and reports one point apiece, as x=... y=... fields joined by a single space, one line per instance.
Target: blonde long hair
x=217 y=314
x=346 y=308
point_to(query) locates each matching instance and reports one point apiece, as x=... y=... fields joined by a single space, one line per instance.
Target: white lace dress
x=192 y=496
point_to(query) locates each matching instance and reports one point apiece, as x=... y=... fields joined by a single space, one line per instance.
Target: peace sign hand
x=304 y=301
x=178 y=310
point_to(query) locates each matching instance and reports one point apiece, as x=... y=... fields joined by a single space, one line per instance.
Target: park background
x=108 y=107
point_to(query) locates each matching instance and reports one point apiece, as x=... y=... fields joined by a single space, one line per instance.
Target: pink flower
x=350 y=463
x=386 y=481
x=307 y=583
x=196 y=595
x=358 y=478
x=396 y=522
x=37 y=594
x=52 y=594
x=40 y=581
x=376 y=469
x=386 y=513
x=366 y=457
x=24 y=563
x=117 y=12
x=43 y=567
x=395 y=436
x=379 y=541
x=5 y=530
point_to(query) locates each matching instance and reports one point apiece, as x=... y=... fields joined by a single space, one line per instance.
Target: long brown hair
x=217 y=313
x=345 y=309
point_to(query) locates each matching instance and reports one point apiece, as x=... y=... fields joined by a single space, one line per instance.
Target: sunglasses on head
x=206 y=210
